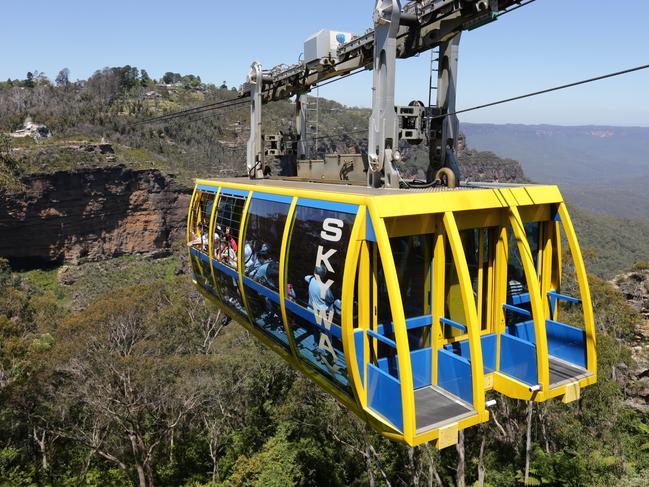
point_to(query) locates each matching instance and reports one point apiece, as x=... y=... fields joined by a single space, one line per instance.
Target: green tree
x=171 y=78
x=145 y=79
x=276 y=465
x=29 y=80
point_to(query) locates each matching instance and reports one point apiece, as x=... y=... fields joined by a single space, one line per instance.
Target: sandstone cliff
x=635 y=286
x=488 y=167
x=90 y=213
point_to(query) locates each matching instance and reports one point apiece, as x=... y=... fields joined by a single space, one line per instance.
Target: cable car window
x=412 y=261
x=264 y=232
x=487 y=243
x=453 y=304
x=381 y=354
x=229 y=290
x=227 y=226
x=478 y=251
x=316 y=260
x=564 y=310
x=263 y=241
x=200 y=225
x=358 y=289
x=517 y=292
x=412 y=258
x=533 y=232
x=383 y=310
x=202 y=272
x=266 y=314
x=199 y=239
x=226 y=229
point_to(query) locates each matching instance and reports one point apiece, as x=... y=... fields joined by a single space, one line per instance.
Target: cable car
x=407 y=306
x=407 y=300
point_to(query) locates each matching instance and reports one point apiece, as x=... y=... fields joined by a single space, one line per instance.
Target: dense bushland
x=148 y=385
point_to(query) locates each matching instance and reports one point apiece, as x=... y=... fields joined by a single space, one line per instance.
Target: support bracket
x=383 y=139
x=444 y=126
x=255 y=149
x=300 y=125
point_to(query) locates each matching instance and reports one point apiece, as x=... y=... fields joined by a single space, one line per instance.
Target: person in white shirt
x=226 y=254
x=200 y=238
x=250 y=260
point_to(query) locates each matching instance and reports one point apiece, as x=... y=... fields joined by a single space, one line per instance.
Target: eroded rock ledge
x=91 y=213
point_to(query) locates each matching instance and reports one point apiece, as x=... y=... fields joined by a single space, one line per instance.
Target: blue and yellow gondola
x=407 y=306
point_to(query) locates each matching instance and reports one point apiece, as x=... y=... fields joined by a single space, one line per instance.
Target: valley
x=602 y=169
x=115 y=371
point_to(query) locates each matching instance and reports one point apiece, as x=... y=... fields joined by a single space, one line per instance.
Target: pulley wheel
x=446 y=177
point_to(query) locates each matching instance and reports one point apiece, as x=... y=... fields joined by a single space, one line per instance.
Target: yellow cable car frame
x=384 y=376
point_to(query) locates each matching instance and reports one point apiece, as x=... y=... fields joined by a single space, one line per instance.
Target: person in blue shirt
x=267 y=274
x=320 y=296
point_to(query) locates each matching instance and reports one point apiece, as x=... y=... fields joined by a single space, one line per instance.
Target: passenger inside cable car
x=200 y=238
x=263 y=236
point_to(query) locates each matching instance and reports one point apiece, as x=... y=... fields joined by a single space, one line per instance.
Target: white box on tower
x=324 y=44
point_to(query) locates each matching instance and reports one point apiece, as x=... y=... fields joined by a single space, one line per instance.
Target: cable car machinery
x=398 y=33
x=415 y=368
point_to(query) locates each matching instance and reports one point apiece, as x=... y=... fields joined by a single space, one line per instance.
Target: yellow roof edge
x=414 y=203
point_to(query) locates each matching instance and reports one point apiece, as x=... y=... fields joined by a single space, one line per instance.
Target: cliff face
x=488 y=167
x=92 y=213
x=635 y=286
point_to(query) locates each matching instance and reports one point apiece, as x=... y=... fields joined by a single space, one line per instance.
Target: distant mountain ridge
x=601 y=168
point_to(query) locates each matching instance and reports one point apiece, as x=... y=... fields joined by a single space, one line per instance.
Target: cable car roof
x=390 y=202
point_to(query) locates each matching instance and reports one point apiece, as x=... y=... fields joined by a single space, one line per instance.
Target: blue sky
x=547 y=43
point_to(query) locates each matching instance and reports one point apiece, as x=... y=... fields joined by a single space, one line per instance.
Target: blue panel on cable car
x=566 y=342
x=234 y=192
x=455 y=375
x=278 y=198
x=206 y=189
x=384 y=395
x=328 y=205
x=518 y=359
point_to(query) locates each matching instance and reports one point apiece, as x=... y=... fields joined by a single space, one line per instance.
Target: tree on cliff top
x=63 y=78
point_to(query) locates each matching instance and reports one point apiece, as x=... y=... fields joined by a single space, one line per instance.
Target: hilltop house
x=31 y=129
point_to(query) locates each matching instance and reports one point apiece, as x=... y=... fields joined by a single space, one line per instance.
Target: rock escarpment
x=635 y=286
x=91 y=213
x=488 y=167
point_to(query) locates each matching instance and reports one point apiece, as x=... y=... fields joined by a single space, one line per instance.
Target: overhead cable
x=516 y=7
x=549 y=90
x=239 y=101
x=192 y=111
